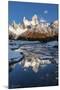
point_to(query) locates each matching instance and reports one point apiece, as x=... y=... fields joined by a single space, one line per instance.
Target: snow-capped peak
x=34 y=25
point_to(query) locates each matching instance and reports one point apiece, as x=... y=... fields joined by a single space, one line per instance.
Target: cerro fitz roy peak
x=34 y=29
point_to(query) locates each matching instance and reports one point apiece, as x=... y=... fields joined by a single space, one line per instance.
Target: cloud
x=42 y=19
x=46 y=11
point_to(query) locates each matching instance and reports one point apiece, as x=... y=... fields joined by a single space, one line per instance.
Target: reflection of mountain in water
x=34 y=59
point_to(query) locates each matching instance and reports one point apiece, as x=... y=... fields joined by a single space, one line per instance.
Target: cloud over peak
x=45 y=11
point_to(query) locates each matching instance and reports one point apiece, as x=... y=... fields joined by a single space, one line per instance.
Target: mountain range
x=33 y=29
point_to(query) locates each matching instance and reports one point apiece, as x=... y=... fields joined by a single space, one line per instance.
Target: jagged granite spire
x=34 y=29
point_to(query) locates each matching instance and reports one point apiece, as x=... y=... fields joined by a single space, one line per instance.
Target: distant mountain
x=33 y=29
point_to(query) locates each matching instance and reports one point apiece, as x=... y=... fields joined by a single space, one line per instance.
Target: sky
x=17 y=10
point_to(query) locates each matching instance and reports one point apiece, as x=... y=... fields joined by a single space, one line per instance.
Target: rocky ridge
x=33 y=29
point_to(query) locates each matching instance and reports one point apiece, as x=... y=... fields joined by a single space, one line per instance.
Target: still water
x=20 y=77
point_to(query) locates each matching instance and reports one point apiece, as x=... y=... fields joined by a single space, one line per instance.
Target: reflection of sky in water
x=45 y=76
x=21 y=77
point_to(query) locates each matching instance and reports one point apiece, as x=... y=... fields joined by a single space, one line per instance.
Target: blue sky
x=17 y=10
